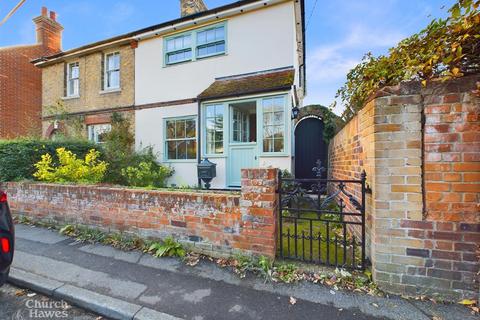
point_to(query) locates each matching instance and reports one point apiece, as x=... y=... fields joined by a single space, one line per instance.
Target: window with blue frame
x=211 y=41
x=196 y=44
x=273 y=124
x=181 y=139
x=179 y=49
x=214 y=128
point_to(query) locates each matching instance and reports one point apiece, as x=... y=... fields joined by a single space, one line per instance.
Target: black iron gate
x=322 y=220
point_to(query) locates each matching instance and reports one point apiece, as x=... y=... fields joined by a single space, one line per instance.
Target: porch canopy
x=251 y=83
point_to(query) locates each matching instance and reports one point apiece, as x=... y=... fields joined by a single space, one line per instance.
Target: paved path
x=18 y=304
x=127 y=285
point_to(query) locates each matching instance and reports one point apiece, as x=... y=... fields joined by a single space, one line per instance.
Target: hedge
x=17 y=157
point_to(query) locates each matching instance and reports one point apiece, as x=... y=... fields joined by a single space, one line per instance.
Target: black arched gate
x=309 y=147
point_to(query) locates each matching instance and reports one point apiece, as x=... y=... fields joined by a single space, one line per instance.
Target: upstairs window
x=196 y=44
x=179 y=49
x=112 y=71
x=211 y=42
x=73 y=79
x=181 y=139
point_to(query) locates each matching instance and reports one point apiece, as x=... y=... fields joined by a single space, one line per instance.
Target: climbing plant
x=332 y=122
x=447 y=48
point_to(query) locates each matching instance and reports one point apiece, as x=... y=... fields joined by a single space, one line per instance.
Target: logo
x=42 y=309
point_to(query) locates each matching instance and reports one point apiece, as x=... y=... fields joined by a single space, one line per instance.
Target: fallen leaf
x=332 y=292
x=30 y=295
x=467 y=302
x=192 y=259
x=293 y=301
x=375 y=305
x=20 y=293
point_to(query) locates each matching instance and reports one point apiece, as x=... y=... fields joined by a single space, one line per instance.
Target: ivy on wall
x=445 y=49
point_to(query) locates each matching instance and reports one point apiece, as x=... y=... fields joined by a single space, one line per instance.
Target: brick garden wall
x=351 y=152
x=424 y=176
x=218 y=224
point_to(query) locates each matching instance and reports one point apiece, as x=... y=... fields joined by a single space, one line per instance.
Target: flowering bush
x=71 y=169
x=147 y=174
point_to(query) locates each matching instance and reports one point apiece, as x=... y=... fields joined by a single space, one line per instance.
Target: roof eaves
x=147 y=29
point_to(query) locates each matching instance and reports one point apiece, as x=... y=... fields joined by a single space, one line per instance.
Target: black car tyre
x=4 y=277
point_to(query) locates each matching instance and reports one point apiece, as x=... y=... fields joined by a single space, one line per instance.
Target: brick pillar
x=397 y=189
x=258 y=206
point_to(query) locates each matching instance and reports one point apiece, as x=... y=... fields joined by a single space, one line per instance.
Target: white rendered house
x=221 y=84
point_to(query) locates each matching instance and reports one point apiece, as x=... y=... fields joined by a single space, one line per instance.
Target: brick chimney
x=49 y=31
x=188 y=7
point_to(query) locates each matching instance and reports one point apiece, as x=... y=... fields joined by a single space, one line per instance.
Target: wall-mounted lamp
x=295 y=112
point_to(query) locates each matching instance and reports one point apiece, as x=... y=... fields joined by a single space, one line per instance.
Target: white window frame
x=107 y=71
x=194 y=45
x=73 y=83
x=95 y=130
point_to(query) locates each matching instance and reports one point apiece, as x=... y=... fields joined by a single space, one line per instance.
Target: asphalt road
x=19 y=304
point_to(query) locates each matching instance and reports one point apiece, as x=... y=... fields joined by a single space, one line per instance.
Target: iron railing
x=322 y=220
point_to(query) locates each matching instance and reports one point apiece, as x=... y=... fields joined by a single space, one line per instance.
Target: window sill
x=71 y=97
x=214 y=156
x=274 y=155
x=167 y=65
x=107 y=91
x=180 y=161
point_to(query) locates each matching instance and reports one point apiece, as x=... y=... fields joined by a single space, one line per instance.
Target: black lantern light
x=295 y=112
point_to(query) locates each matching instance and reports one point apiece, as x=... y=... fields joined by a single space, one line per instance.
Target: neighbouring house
x=84 y=86
x=21 y=82
x=215 y=83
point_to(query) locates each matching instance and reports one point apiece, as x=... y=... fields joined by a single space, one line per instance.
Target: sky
x=339 y=32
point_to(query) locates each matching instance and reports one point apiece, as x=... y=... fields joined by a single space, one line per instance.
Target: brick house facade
x=94 y=103
x=21 y=82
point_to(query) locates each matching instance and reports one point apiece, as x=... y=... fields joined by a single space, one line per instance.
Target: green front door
x=242 y=145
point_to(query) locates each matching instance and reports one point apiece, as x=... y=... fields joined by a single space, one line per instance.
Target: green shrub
x=70 y=168
x=147 y=174
x=119 y=149
x=168 y=248
x=18 y=157
x=128 y=166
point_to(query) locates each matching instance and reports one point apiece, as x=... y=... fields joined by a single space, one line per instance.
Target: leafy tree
x=445 y=49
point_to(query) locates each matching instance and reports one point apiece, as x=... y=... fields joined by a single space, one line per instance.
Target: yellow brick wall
x=91 y=95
